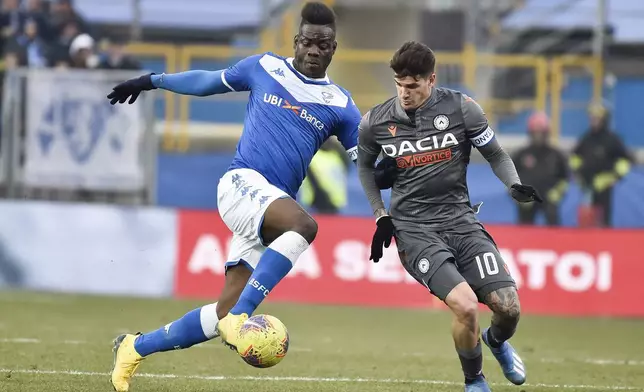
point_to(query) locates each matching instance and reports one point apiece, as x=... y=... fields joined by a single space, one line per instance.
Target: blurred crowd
x=597 y=163
x=51 y=33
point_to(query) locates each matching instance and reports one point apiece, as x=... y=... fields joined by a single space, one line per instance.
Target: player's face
x=414 y=91
x=314 y=49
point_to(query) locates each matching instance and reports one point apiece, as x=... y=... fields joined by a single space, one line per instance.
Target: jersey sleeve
x=482 y=137
x=476 y=126
x=368 y=151
x=238 y=77
x=347 y=130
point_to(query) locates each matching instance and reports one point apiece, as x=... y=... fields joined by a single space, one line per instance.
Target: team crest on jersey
x=441 y=122
x=423 y=265
x=327 y=97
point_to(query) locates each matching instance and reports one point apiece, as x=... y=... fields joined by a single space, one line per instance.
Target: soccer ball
x=263 y=341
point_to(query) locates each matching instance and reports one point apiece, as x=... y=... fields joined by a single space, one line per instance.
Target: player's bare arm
x=483 y=138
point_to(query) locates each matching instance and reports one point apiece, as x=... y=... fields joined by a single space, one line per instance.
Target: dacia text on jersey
x=300 y=111
x=426 y=151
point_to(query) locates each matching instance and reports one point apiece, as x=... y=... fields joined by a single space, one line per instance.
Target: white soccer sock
x=209 y=320
x=291 y=245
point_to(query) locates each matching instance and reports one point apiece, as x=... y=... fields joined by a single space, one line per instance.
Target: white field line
x=311 y=379
x=596 y=361
x=590 y=361
x=20 y=340
x=78 y=342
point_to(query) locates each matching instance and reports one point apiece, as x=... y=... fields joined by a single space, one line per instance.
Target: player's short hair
x=413 y=59
x=317 y=13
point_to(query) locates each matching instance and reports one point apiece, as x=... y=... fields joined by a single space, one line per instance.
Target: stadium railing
x=470 y=71
x=571 y=68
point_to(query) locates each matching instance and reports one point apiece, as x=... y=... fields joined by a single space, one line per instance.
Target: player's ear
x=295 y=38
x=335 y=46
x=432 y=79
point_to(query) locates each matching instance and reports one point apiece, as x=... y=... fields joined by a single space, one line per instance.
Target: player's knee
x=464 y=304
x=510 y=316
x=467 y=312
x=307 y=227
x=505 y=305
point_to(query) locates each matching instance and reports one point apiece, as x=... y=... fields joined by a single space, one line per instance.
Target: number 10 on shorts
x=490 y=263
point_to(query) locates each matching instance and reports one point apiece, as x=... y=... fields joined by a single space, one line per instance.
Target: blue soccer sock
x=196 y=326
x=273 y=266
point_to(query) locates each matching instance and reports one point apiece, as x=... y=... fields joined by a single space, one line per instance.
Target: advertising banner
x=76 y=139
x=558 y=271
x=88 y=249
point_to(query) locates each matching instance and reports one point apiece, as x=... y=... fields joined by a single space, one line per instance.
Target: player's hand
x=130 y=89
x=382 y=237
x=525 y=193
x=385 y=173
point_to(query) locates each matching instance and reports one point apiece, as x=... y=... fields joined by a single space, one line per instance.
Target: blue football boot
x=511 y=363
x=477 y=385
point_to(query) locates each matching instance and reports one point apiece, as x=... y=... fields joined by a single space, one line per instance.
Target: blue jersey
x=288 y=118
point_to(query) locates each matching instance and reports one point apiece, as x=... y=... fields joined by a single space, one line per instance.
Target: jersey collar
x=306 y=79
x=402 y=114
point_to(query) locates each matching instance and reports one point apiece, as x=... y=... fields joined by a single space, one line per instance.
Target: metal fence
x=502 y=83
x=62 y=140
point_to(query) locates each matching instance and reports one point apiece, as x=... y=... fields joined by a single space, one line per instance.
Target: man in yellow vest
x=325 y=187
x=599 y=161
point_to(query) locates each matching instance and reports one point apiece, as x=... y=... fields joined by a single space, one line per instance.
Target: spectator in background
x=325 y=187
x=546 y=168
x=61 y=45
x=36 y=8
x=11 y=19
x=599 y=161
x=82 y=52
x=27 y=49
x=62 y=14
x=115 y=57
x=36 y=11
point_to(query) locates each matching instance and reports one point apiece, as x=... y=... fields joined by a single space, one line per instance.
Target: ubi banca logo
x=274 y=100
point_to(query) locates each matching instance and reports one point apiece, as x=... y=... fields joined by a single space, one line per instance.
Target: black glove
x=382 y=237
x=131 y=89
x=385 y=173
x=525 y=193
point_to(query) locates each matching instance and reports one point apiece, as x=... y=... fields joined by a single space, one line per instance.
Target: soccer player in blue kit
x=292 y=110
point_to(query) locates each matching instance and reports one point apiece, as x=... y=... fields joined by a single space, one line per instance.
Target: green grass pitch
x=56 y=343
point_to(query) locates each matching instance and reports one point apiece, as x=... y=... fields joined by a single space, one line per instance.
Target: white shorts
x=243 y=195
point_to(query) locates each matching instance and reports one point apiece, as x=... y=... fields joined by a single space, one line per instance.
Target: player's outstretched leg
x=289 y=230
x=196 y=326
x=465 y=330
x=504 y=303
